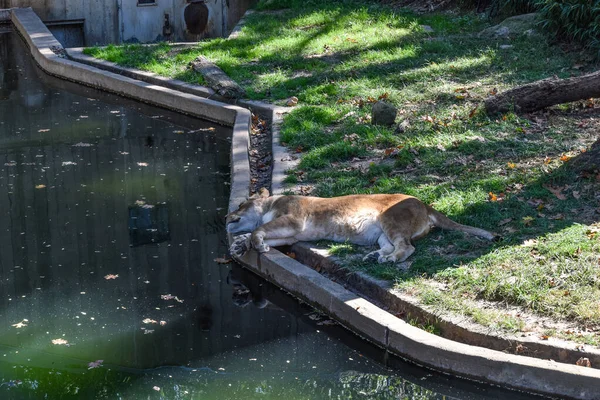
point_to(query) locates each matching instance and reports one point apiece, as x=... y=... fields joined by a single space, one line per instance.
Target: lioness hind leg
x=402 y=250
x=386 y=247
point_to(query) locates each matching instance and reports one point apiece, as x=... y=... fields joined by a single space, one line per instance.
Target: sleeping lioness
x=393 y=221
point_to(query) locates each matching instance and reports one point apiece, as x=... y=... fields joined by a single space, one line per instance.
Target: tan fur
x=393 y=221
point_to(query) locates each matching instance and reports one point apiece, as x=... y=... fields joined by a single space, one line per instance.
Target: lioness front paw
x=240 y=246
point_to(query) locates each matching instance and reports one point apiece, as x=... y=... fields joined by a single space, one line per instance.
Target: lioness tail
x=441 y=221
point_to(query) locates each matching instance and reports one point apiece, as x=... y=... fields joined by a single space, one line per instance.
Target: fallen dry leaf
x=111 y=276
x=292 y=101
x=576 y=194
x=59 y=342
x=556 y=191
x=529 y=243
x=505 y=221
x=527 y=220
x=584 y=362
x=40 y=186
x=472 y=113
x=170 y=297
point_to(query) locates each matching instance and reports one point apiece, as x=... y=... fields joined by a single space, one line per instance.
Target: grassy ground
x=509 y=174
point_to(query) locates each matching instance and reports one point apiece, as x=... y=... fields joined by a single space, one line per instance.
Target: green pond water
x=112 y=216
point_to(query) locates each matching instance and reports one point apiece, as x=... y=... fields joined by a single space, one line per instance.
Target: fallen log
x=216 y=78
x=547 y=92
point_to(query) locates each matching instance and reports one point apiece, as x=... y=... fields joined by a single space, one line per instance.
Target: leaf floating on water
x=21 y=324
x=40 y=186
x=142 y=164
x=170 y=297
x=43 y=130
x=222 y=260
x=179 y=132
x=81 y=144
x=60 y=342
x=149 y=321
x=111 y=276
x=156 y=388
x=95 y=364
x=10 y=164
x=68 y=163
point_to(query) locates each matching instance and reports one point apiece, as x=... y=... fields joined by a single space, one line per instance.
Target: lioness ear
x=263 y=192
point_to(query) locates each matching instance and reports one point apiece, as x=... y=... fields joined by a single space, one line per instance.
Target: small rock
x=427 y=28
x=517 y=25
x=383 y=114
x=292 y=101
x=502 y=31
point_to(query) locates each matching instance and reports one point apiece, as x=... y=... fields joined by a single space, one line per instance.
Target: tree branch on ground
x=547 y=92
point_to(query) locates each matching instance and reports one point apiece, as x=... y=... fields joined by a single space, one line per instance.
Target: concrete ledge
x=50 y=56
x=76 y=54
x=382 y=294
x=393 y=334
x=5 y=15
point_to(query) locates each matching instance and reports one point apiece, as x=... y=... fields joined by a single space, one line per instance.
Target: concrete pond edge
x=351 y=310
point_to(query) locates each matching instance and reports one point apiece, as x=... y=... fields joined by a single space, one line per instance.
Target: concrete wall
x=101 y=16
x=118 y=21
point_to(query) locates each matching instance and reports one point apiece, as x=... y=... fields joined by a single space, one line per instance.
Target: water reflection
x=112 y=219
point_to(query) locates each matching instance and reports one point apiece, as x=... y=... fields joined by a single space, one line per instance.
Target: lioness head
x=248 y=216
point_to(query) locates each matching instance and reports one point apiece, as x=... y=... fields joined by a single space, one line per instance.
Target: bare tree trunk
x=217 y=79
x=545 y=93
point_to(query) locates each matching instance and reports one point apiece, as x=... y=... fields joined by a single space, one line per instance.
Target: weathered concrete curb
x=49 y=55
x=5 y=15
x=237 y=29
x=381 y=293
x=76 y=54
x=396 y=336
x=354 y=312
